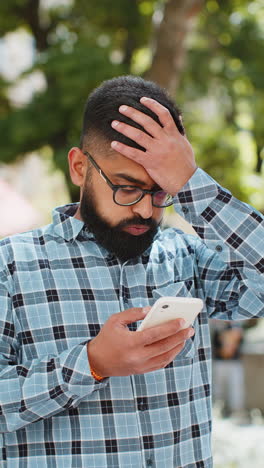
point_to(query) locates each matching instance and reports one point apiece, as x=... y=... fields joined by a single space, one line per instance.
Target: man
x=228 y=370
x=79 y=386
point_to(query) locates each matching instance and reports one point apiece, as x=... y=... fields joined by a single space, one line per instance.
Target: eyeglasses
x=126 y=195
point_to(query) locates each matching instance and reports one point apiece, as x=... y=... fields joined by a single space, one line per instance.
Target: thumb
x=131 y=315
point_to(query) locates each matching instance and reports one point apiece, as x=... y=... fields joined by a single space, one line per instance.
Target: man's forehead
x=113 y=162
x=117 y=164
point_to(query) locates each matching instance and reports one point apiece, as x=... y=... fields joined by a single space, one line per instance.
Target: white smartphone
x=170 y=308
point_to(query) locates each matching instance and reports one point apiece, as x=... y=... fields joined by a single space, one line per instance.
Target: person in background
x=228 y=371
x=79 y=387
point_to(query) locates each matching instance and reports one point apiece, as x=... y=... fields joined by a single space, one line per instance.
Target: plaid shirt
x=58 y=287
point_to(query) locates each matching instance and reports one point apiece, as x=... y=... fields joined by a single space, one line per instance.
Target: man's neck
x=78 y=214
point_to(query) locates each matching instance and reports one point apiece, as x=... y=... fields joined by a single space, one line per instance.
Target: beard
x=122 y=244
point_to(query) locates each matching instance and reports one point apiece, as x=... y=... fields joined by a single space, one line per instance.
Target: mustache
x=137 y=220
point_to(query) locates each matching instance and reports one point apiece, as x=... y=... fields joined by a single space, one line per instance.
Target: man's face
x=126 y=231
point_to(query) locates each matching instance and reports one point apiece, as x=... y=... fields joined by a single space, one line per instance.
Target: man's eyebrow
x=127 y=177
x=130 y=179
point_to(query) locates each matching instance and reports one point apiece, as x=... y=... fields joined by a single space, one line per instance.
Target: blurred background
x=209 y=55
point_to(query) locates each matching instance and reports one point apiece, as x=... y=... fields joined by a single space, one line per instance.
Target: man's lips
x=136 y=229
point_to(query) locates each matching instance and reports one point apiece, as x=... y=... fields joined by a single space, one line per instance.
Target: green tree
x=207 y=53
x=224 y=92
x=76 y=47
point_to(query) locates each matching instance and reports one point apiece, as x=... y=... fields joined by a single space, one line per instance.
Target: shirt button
x=149 y=462
x=219 y=248
x=185 y=209
x=142 y=406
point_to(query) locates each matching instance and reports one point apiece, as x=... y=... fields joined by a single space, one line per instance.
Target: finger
x=159 y=332
x=130 y=152
x=152 y=127
x=163 y=360
x=162 y=112
x=168 y=344
x=129 y=316
x=133 y=133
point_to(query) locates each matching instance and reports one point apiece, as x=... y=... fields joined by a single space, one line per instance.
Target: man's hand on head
x=169 y=158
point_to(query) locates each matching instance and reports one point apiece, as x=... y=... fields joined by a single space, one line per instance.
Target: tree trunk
x=259 y=159
x=170 y=47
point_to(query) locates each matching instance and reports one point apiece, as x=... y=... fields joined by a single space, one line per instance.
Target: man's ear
x=77 y=166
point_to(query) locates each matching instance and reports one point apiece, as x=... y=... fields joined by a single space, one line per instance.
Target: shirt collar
x=66 y=226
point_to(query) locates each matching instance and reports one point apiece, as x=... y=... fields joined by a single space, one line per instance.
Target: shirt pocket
x=181 y=289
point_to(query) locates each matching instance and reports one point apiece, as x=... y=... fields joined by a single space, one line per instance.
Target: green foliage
x=222 y=91
x=81 y=43
x=77 y=47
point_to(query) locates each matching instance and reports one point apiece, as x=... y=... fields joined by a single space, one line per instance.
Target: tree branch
x=170 y=53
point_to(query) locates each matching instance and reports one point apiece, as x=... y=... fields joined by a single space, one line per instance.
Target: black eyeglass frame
x=115 y=188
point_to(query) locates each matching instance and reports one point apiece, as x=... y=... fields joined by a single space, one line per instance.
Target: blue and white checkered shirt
x=58 y=287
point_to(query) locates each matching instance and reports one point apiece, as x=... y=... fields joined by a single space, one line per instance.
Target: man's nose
x=144 y=207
